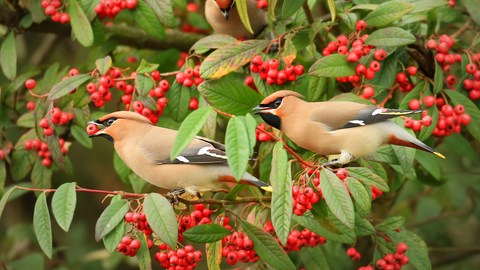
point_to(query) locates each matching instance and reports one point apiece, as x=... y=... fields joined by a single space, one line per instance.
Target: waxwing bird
x=223 y=16
x=350 y=129
x=145 y=148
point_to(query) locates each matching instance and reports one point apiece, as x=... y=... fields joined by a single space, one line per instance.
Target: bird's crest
x=281 y=94
x=126 y=115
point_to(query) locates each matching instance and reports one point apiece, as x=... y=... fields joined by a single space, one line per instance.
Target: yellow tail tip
x=269 y=188
x=440 y=155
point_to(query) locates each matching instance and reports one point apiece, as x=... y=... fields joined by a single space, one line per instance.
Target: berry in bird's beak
x=92 y=129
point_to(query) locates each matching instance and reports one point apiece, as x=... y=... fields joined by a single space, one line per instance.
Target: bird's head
x=117 y=124
x=273 y=107
x=225 y=6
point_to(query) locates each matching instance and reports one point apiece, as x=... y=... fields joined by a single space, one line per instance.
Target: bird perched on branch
x=350 y=129
x=145 y=148
x=223 y=16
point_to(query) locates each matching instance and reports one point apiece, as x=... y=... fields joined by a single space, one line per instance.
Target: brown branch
x=124 y=35
x=308 y=13
x=423 y=56
x=463 y=28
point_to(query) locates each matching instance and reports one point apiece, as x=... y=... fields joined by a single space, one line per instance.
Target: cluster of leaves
x=396 y=27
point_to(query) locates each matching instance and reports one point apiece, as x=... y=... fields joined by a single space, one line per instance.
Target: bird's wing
x=340 y=115
x=158 y=142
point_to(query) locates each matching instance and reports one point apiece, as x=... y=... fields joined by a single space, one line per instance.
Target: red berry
x=360 y=69
x=299 y=70
x=273 y=63
x=46 y=162
x=352 y=58
x=375 y=66
x=188 y=82
x=342 y=173
x=381 y=264
x=401 y=77
x=380 y=54
x=48 y=131
x=361 y=25
x=368 y=92
x=459 y=109
x=262 y=4
x=180 y=77
x=351 y=252
x=429 y=101
x=357 y=256
x=193 y=103
x=412 y=71
x=257 y=60
x=417 y=125
x=432 y=44
x=414 y=104
x=188 y=72
x=369 y=74
x=44 y=123
x=451 y=79
x=427 y=120
x=92 y=87
x=92 y=129
x=447 y=110
x=131 y=4
x=342 y=40
x=197 y=81
x=30 y=83
x=135 y=244
x=402 y=247
x=471 y=68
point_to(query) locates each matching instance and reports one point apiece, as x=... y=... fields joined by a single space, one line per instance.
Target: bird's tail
x=399 y=136
x=247 y=179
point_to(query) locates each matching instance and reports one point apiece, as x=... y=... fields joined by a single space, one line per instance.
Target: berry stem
x=308 y=13
x=37 y=96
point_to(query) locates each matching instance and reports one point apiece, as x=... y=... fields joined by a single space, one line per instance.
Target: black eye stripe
x=109 y=121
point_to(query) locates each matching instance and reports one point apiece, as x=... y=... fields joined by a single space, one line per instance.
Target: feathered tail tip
x=269 y=188
x=438 y=154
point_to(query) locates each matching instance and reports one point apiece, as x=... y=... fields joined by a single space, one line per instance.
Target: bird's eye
x=110 y=122
x=277 y=103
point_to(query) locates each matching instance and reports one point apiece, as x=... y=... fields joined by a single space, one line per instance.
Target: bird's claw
x=174 y=195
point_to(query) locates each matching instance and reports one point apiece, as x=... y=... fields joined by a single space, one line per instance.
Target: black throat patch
x=108 y=137
x=272 y=120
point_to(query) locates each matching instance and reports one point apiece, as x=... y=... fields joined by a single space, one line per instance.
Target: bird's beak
x=225 y=12
x=260 y=109
x=100 y=131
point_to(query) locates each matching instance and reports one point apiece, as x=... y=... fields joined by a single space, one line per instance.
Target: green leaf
x=289 y=53
x=350 y=19
x=331 y=7
x=114 y=237
x=68 y=85
x=110 y=218
x=189 y=129
x=104 y=64
x=80 y=24
x=121 y=168
x=88 y=7
x=81 y=136
x=42 y=225
x=19 y=82
x=251 y=125
x=351 y=97
x=438 y=86
x=26 y=120
x=146 y=67
x=147 y=19
x=214 y=255
x=426 y=5
x=161 y=218
x=242 y=8
x=363 y=227
x=214 y=41
x=387 y=13
x=290 y=7
x=470 y=108
x=82 y=116
x=387 y=74
x=64 y=202
x=414 y=94
x=98 y=33
x=236 y=137
x=334 y=66
x=41 y=176
x=164 y=12
x=473 y=7
x=313 y=258
x=308 y=221
x=368 y=177
x=239 y=100
x=427 y=131
x=267 y=247
x=316 y=88
x=337 y=198
x=144 y=84
x=143 y=254
x=206 y=233
x=390 y=37
x=49 y=78
x=323 y=219
x=282 y=202
x=4 y=199
x=8 y=57
x=136 y=182
x=359 y=193
x=179 y=100
x=231 y=57
x=22 y=162
x=81 y=98
x=417 y=249
x=364 y=6
x=391 y=224
x=271 y=10
x=3 y=176
x=405 y=157
x=182 y=4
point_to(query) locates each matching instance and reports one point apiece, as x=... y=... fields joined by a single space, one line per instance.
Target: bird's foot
x=174 y=194
x=329 y=164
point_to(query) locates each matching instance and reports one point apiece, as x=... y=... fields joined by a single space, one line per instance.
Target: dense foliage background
x=433 y=200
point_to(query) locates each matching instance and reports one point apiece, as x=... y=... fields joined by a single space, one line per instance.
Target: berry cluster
x=261 y=136
x=238 y=247
x=189 y=77
x=269 y=71
x=111 y=8
x=342 y=173
x=198 y=217
x=444 y=58
x=129 y=247
x=297 y=240
x=394 y=261
x=57 y=117
x=54 y=8
x=354 y=254
x=303 y=198
x=42 y=150
x=262 y=4
x=139 y=221
x=2 y=154
x=182 y=258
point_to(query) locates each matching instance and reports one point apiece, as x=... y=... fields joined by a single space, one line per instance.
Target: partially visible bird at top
x=224 y=18
x=349 y=129
x=146 y=148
